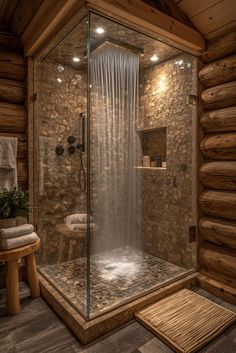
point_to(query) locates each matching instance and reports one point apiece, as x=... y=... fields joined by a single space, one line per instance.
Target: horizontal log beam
x=218 y=231
x=22 y=150
x=9 y=42
x=12 y=91
x=220 y=47
x=217 y=288
x=220 y=71
x=219 y=146
x=218 y=203
x=21 y=137
x=221 y=120
x=220 y=96
x=13 y=118
x=12 y=66
x=218 y=264
x=218 y=175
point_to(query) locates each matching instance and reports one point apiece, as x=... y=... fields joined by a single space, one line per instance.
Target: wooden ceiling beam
x=47 y=21
x=148 y=19
x=54 y=14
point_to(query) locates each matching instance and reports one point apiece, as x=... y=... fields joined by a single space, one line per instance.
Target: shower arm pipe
x=118 y=43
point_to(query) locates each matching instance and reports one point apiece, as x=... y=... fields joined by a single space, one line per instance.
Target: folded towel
x=11 y=243
x=77 y=218
x=79 y=226
x=14 y=232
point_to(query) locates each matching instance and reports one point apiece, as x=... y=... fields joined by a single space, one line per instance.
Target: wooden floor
x=38 y=330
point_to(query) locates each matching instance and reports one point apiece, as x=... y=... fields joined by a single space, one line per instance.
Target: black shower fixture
x=59 y=150
x=71 y=149
x=71 y=139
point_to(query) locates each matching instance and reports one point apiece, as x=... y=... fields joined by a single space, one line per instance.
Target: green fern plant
x=14 y=203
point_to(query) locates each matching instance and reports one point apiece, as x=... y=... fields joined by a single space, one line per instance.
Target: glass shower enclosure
x=114 y=170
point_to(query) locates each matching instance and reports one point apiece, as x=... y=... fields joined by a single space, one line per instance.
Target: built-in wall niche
x=153 y=143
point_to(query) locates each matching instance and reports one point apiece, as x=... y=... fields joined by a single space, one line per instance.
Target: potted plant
x=14 y=208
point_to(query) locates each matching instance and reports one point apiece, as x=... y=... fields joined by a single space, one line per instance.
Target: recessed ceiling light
x=59 y=80
x=154 y=58
x=100 y=30
x=76 y=59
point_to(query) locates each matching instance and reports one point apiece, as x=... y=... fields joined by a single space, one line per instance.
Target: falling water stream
x=114 y=79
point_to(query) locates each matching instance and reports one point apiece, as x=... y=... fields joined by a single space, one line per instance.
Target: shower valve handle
x=79 y=146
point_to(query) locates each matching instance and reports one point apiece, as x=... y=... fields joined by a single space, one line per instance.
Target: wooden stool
x=12 y=275
x=73 y=236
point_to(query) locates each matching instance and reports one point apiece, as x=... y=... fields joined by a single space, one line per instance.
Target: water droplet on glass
x=60 y=68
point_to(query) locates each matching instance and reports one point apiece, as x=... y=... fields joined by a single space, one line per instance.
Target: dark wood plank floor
x=38 y=330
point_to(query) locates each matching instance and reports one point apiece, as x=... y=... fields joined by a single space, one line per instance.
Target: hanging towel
x=11 y=243
x=14 y=232
x=77 y=218
x=8 y=170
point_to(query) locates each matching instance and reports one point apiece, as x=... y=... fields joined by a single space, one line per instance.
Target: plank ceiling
x=211 y=17
x=16 y=14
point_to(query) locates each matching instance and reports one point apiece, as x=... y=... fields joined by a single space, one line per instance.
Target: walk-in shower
x=116 y=214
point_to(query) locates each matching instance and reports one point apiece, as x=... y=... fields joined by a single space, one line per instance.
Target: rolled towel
x=77 y=218
x=12 y=243
x=81 y=227
x=15 y=232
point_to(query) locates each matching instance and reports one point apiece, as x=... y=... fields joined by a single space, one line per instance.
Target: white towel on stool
x=8 y=170
x=77 y=218
x=11 y=243
x=14 y=232
x=80 y=227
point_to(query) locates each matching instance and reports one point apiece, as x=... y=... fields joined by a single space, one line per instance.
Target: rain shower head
x=107 y=41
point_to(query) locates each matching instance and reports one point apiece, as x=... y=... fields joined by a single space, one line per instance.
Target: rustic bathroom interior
x=114 y=134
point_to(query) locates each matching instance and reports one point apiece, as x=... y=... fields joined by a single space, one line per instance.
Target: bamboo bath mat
x=186 y=321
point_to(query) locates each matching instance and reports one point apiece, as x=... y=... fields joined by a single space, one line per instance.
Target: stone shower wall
x=169 y=194
x=57 y=110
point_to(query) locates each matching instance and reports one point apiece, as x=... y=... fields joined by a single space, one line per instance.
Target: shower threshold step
x=89 y=330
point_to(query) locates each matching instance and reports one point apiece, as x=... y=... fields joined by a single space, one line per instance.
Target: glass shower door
x=141 y=213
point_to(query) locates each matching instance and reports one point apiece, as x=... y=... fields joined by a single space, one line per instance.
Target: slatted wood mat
x=186 y=321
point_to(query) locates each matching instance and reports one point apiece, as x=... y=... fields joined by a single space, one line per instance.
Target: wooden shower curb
x=89 y=330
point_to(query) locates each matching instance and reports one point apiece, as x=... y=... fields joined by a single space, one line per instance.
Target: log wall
x=13 y=115
x=217 y=173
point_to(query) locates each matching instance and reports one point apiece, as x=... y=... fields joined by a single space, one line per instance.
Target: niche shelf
x=153 y=142
x=152 y=168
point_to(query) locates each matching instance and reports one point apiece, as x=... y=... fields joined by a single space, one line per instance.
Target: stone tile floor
x=38 y=330
x=115 y=277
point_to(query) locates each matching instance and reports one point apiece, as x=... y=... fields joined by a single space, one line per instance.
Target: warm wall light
x=162 y=85
x=76 y=59
x=59 y=80
x=100 y=30
x=154 y=58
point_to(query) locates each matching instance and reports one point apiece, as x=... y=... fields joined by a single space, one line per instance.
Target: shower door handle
x=82 y=116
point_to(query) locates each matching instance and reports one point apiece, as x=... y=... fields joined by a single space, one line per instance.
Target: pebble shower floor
x=115 y=277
